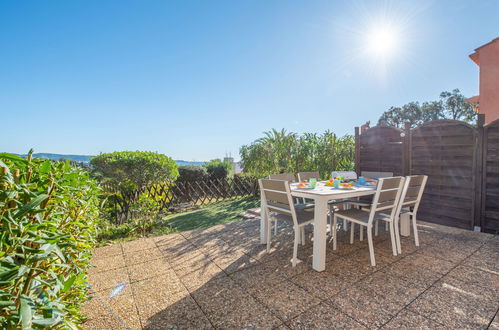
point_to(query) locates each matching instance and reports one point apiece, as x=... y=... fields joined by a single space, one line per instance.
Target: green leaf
x=12 y=157
x=26 y=208
x=46 y=167
x=68 y=283
x=26 y=313
x=48 y=322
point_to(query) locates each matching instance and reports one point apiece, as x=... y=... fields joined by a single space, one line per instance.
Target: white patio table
x=321 y=195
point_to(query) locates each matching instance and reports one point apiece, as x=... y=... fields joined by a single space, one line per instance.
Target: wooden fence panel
x=490 y=179
x=445 y=151
x=381 y=150
x=171 y=197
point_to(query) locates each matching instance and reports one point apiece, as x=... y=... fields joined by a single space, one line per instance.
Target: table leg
x=320 y=234
x=405 y=224
x=263 y=223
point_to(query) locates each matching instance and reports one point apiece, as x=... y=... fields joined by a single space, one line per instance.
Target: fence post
x=480 y=162
x=357 y=151
x=406 y=150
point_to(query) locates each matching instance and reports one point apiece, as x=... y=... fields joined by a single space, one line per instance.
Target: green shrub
x=192 y=173
x=48 y=214
x=135 y=168
x=218 y=169
x=124 y=174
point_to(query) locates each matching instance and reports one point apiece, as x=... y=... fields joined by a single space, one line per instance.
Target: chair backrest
x=283 y=176
x=412 y=192
x=302 y=176
x=376 y=175
x=348 y=175
x=387 y=196
x=276 y=196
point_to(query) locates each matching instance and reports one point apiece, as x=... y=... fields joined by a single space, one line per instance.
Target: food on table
x=346 y=185
x=303 y=184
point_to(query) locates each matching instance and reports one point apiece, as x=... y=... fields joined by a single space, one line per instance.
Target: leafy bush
x=125 y=173
x=192 y=173
x=218 y=169
x=282 y=152
x=48 y=217
x=135 y=168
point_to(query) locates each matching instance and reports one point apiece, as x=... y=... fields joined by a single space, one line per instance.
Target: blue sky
x=197 y=79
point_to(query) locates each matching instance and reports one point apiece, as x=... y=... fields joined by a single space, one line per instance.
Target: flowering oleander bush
x=48 y=215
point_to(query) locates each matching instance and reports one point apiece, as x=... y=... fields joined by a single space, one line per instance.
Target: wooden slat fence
x=174 y=196
x=461 y=161
x=490 y=177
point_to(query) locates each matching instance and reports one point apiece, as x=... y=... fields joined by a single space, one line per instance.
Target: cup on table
x=362 y=181
x=312 y=182
x=337 y=183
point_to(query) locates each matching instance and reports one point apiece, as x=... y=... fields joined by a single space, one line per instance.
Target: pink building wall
x=487 y=58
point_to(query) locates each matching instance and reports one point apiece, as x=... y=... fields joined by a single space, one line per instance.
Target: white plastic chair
x=276 y=196
x=386 y=199
x=409 y=203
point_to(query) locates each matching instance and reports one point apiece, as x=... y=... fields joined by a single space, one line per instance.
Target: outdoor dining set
x=366 y=201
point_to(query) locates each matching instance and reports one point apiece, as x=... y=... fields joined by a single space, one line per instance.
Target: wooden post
x=357 y=151
x=478 y=174
x=406 y=149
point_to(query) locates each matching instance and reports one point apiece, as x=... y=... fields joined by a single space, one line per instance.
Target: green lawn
x=207 y=216
x=211 y=215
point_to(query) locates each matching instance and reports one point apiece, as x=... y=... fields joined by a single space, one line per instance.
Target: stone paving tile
x=324 y=316
x=410 y=320
x=203 y=272
x=228 y=306
x=116 y=312
x=110 y=279
x=101 y=264
x=451 y=250
x=456 y=305
x=398 y=290
x=285 y=299
x=495 y=322
x=382 y=257
x=234 y=262
x=158 y=287
x=148 y=269
x=269 y=272
x=488 y=280
x=365 y=306
x=420 y=267
x=142 y=256
x=484 y=259
x=137 y=245
x=323 y=285
x=107 y=251
x=170 y=311
x=168 y=240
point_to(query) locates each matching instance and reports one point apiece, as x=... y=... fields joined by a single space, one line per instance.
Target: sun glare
x=382 y=41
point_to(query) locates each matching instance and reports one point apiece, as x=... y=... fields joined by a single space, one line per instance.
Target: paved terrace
x=221 y=277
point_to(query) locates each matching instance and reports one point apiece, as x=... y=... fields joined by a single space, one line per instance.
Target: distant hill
x=86 y=159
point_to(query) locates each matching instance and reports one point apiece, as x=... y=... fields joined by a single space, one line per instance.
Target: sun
x=382 y=41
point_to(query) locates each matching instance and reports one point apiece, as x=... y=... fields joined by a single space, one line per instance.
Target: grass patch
x=209 y=215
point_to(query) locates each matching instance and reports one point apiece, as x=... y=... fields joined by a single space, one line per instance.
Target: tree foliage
x=218 y=169
x=451 y=105
x=48 y=214
x=192 y=173
x=280 y=152
x=137 y=168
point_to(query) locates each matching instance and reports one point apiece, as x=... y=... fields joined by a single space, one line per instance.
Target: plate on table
x=304 y=188
x=346 y=188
